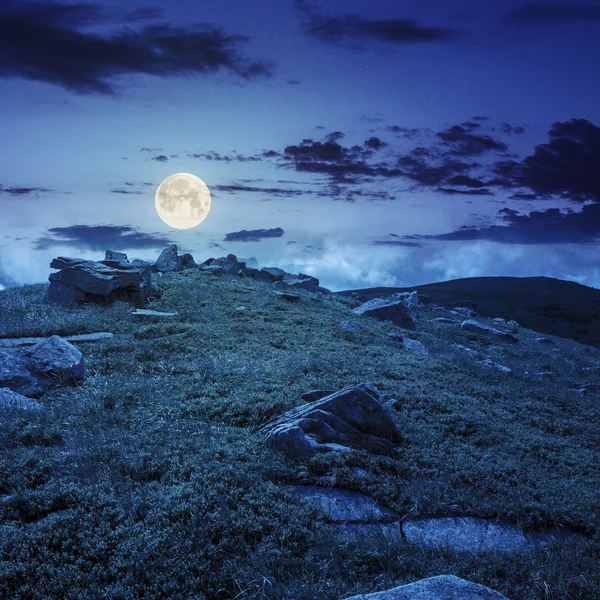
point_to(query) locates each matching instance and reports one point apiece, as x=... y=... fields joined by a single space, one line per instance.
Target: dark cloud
x=431 y=171
x=357 y=31
x=510 y=129
x=225 y=158
x=480 y=118
x=24 y=191
x=471 y=125
x=539 y=227
x=151 y=150
x=465 y=192
x=374 y=143
x=395 y=243
x=47 y=41
x=233 y=188
x=126 y=192
x=551 y=13
x=293 y=82
x=253 y=236
x=144 y=14
x=464 y=143
x=335 y=136
x=465 y=181
x=407 y=132
x=160 y=158
x=100 y=238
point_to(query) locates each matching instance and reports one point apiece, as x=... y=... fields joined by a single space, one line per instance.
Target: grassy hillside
x=151 y=480
x=553 y=306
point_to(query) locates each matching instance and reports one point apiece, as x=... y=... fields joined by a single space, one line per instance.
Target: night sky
x=365 y=143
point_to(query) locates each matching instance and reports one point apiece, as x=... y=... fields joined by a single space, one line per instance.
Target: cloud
x=160 y=158
x=358 y=31
x=510 y=129
x=407 y=132
x=25 y=191
x=251 y=189
x=253 y=236
x=147 y=13
x=151 y=150
x=226 y=158
x=47 y=41
x=551 y=13
x=464 y=143
x=126 y=192
x=100 y=238
x=549 y=226
x=566 y=166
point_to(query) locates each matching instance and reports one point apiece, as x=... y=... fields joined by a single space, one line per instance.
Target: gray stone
x=287 y=296
x=251 y=272
x=351 y=326
x=545 y=341
x=120 y=257
x=138 y=262
x=152 y=313
x=396 y=336
x=488 y=362
x=465 y=349
x=350 y=418
x=387 y=310
x=300 y=281
x=444 y=320
x=440 y=587
x=415 y=346
x=187 y=261
x=343 y=506
x=270 y=274
x=481 y=329
x=316 y=395
x=81 y=337
x=10 y=401
x=468 y=534
x=216 y=270
x=168 y=260
x=589 y=389
x=31 y=371
x=230 y=264
x=463 y=310
x=90 y=281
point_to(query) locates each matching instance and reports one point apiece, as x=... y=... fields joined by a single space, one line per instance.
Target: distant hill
x=551 y=306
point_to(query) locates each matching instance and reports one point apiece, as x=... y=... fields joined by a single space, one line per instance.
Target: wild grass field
x=151 y=480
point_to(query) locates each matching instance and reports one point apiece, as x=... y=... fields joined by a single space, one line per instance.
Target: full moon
x=182 y=200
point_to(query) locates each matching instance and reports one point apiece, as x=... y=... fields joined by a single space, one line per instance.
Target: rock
x=229 y=263
x=545 y=341
x=589 y=389
x=463 y=310
x=300 y=281
x=187 y=261
x=481 y=329
x=288 y=297
x=468 y=534
x=119 y=257
x=10 y=400
x=249 y=262
x=440 y=587
x=350 y=418
x=270 y=274
x=316 y=395
x=250 y=272
x=207 y=262
x=152 y=313
x=343 y=506
x=216 y=270
x=351 y=326
x=168 y=260
x=393 y=404
x=360 y=297
x=138 y=262
x=242 y=273
x=396 y=336
x=90 y=281
x=82 y=337
x=387 y=310
x=415 y=346
x=444 y=320
x=494 y=365
x=465 y=349
x=51 y=362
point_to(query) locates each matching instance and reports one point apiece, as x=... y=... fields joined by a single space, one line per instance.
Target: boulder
x=168 y=260
x=316 y=395
x=119 y=257
x=440 y=587
x=481 y=329
x=89 y=281
x=230 y=264
x=213 y=270
x=33 y=370
x=288 y=297
x=12 y=401
x=488 y=362
x=251 y=272
x=270 y=274
x=300 y=281
x=187 y=261
x=351 y=326
x=138 y=262
x=415 y=346
x=351 y=418
x=387 y=309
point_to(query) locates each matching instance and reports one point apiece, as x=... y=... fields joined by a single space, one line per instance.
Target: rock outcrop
x=440 y=587
x=388 y=309
x=487 y=331
x=80 y=280
x=350 y=418
x=49 y=363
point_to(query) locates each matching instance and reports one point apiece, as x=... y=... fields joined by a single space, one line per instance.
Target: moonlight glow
x=182 y=201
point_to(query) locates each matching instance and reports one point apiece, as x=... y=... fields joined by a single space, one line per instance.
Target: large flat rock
x=440 y=587
x=30 y=341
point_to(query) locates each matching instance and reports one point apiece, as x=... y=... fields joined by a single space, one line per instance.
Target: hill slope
x=551 y=306
x=151 y=480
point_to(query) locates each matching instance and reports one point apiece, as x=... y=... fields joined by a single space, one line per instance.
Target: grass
x=151 y=480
